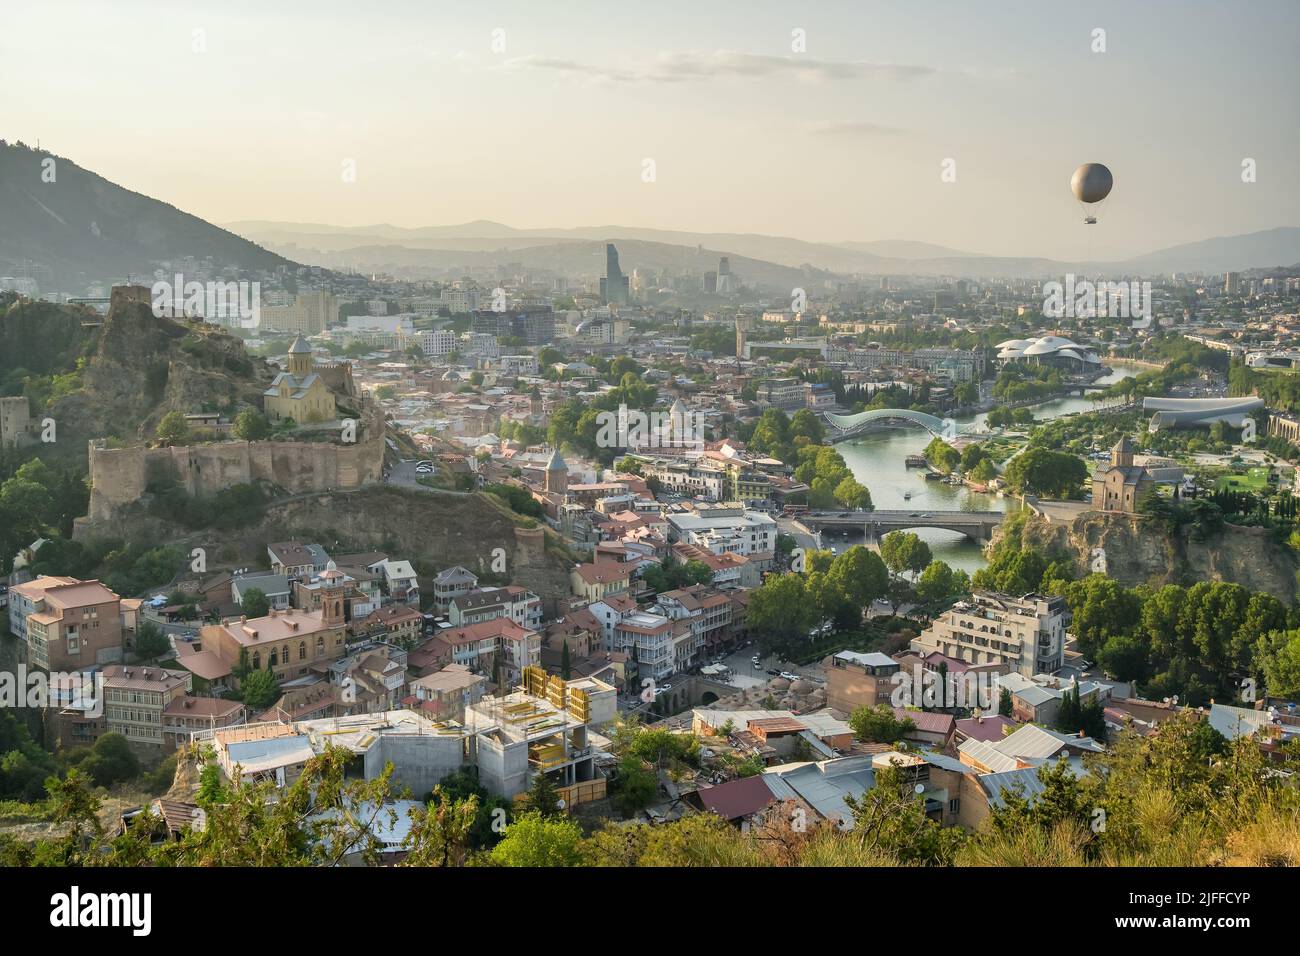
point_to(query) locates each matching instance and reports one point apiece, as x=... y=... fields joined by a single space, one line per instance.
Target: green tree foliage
x=251 y=425
x=172 y=429
x=942 y=456
x=534 y=840
x=905 y=551
x=1052 y=474
x=110 y=761
x=938 y=583
x=543 y=798
x=150 y=641
x=260 y=690
x=519 y=500
x=879 y=725
x=256 y=603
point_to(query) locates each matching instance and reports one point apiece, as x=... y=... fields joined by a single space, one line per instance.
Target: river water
x=878 y=460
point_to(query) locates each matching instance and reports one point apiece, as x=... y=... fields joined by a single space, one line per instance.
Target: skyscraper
x=726 y=282
x=614 y=286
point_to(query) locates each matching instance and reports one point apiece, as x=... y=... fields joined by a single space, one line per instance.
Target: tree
x=255 y=603
x=111 y=761
x=1280 y=660
x=941 y=455
x=851 y=494
x=536 y=841
x=150 y=641
x=251 y=425
x=542 y=797
x=1040 y=471
x=1006 y=707
x=879 y=725
x=779 y=609
x=859 y=575
x=260 y=689
x=441 y=831
x=636 y=785
x=904 y=551
x=565 y=665
x=173 y=429
x=936 y=583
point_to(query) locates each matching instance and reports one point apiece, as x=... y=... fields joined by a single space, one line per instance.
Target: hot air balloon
x=1091 y=183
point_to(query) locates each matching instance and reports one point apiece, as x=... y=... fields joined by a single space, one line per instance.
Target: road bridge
x=976 y=525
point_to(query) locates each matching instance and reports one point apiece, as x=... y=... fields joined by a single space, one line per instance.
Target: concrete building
x=724 y=529
x=66 y=624
x=1026 y=634
x=854 y=680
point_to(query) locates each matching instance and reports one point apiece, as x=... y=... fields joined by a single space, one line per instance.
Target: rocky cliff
x=1139 y=551
x=146 y=366
x=433 y=530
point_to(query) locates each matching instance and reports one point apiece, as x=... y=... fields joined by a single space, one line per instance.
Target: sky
x=545 y=114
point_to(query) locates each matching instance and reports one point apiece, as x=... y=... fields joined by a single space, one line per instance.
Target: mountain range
x=68 y=227
x=757 y=258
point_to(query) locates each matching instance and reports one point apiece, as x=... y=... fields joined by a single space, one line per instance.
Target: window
x=302 y=650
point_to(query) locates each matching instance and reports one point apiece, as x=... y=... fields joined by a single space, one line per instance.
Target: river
x=878 y=460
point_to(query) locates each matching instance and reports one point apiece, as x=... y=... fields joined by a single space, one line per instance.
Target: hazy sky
x=844 y=141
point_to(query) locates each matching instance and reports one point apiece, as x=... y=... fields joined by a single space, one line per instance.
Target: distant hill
x=569 y=257
x=1255 y=250
x=441 y=247
x=81 y=228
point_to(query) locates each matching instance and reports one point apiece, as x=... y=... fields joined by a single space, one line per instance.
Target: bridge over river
x=976 y=525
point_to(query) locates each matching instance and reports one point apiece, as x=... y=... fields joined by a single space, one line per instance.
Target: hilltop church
x=1123 y=485
x=300 y=393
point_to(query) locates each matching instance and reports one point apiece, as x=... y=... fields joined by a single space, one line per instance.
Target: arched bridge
x=976 y=525
x=844 y=427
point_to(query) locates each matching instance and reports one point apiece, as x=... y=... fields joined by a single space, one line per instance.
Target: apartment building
x=600 y=579
x=438 y=343
x=71 y=625
x=312 y=312
x=855 y=679
x=448 y=692
x=724 y=529
x=708 y=610
x=183 y=716
x=135 y=699
x=485 y=604
x=1025 y=634
x=451 y=583
x=26 y=598
x=486 y=645
x=295 y=560
x=659 y=644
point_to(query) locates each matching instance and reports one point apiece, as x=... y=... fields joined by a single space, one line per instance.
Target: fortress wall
x=119 y=475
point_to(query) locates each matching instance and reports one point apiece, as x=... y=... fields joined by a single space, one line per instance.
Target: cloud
x=684 y=67
x=847 y=128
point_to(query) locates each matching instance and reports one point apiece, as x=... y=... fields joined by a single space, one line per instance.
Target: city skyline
x=840 y=133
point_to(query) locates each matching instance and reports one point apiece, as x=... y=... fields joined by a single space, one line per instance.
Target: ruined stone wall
x=119 y=475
